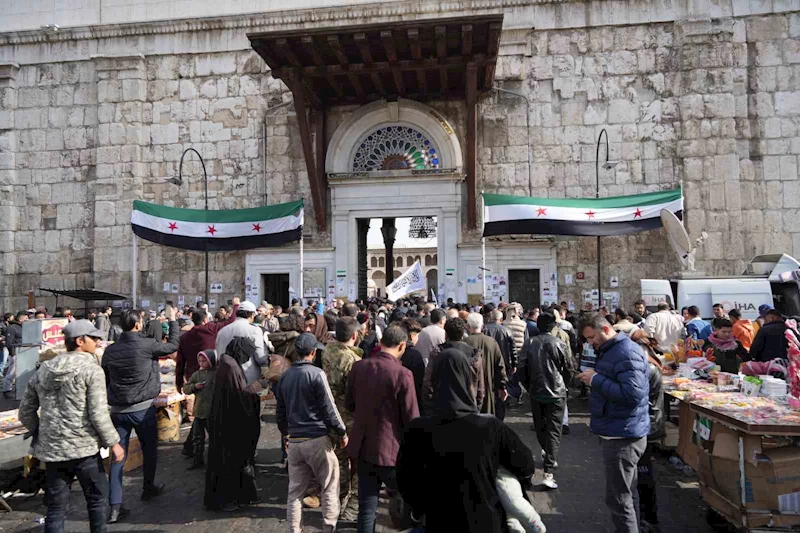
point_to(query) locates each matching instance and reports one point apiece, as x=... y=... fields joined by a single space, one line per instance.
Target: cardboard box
x=754 y=519
x=671 y=439
x=687 y=447
x=772 y=476
x=724 y=442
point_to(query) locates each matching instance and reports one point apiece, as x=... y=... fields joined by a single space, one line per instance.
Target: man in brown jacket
x=381 y=395
x=494 y=369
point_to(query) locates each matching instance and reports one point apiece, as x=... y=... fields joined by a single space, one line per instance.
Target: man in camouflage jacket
x=337 y=362
x=74 y=423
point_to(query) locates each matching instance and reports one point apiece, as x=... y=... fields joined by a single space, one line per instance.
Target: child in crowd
x=201 y=384
x=521 y=517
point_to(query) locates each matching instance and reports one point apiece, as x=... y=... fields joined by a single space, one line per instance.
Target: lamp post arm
x=202 y=163
x=205 y=183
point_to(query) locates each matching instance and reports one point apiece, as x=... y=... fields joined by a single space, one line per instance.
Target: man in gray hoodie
x=74 y=423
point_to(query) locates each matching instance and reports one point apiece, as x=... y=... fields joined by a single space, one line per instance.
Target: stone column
x=712 y=99
x=389 y=231
x=9 y=213
x=362 y=228
x=448 y=255
x=121 y=136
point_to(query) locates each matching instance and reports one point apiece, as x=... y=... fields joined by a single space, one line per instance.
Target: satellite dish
x=679 y=239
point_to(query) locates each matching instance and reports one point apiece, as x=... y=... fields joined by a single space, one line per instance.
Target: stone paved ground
x=577 y=507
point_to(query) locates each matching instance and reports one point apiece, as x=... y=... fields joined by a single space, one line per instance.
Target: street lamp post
x=179 y=181
x=608 y=165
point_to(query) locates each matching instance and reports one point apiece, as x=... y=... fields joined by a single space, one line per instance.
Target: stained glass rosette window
x=396 y=147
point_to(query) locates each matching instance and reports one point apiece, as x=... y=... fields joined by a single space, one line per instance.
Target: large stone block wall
x=714 y=106
x=83 y=139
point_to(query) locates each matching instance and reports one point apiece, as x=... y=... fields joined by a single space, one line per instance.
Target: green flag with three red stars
x=234 y=229
x=618 y=215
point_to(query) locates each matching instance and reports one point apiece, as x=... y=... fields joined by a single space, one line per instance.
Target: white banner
x=411 y=281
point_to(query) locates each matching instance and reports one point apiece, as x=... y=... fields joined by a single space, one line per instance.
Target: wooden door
x=523 y=287
x=276 y=289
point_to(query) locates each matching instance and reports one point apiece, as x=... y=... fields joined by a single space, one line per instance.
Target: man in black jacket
x=505 y=339
x=545 y=370
x=133 y=381
x=13 y=340
x=508 y=347
x=306 y=412
x=770 y=341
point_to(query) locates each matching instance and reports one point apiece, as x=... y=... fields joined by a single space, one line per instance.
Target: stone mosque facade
x=100 y=98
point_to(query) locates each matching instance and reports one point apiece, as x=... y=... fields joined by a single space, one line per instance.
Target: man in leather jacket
x=504 y=338
x=545 y=370
x=508 y=347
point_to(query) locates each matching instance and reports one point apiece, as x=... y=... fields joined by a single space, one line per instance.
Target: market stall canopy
x=86 y=295
x=420 y=60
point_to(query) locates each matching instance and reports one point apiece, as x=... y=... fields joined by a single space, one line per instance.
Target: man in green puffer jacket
x=74 y=423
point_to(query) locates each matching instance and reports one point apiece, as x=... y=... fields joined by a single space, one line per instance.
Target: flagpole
x=300 y=297
x=483 y=249
x=133 y=272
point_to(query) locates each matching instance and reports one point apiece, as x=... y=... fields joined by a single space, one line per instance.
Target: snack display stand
x=745 y=450
x=13 y=446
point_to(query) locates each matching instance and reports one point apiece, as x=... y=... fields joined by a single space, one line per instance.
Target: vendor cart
x=748 y=461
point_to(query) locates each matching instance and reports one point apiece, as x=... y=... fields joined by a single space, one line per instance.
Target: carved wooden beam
x=441 y=53
x=416 y=53
x=492 y=48
x=308 y=150
x=321 y=153
x=391 y=55
x=404 y=65
x=366 y=55
x=284 y=73
x=466 y=39
x=471 y=163
x=334 y=43
x=308 y=41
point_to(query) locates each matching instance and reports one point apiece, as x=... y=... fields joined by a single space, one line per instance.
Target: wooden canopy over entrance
x=439 y=59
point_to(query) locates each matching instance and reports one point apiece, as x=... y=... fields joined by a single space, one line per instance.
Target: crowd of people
x=409 y=396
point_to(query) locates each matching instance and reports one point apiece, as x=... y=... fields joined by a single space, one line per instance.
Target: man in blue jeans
x=381 y=395
x=620 y=409
x=133 y=381
x=72 y=426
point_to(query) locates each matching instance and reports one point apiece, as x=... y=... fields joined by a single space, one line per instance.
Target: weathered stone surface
x=622 y=111
x=787 y=103
x=712 y=104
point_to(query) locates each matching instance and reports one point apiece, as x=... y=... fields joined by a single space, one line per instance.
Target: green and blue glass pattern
x=395 y=147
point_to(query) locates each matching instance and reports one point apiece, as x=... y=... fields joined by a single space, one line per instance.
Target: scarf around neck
x=722 y=344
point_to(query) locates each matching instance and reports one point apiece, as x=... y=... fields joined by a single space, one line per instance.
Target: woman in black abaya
x=233 y=430
x=448 y=460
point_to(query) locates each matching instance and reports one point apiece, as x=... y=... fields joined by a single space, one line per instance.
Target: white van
x=768 y=279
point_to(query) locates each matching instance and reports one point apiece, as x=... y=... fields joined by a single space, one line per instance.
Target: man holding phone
x=74 y=423
x=133 y=381
x=619 y=406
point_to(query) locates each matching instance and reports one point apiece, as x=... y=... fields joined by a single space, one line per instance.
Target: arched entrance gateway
x=390 y=160
x=391 y=154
